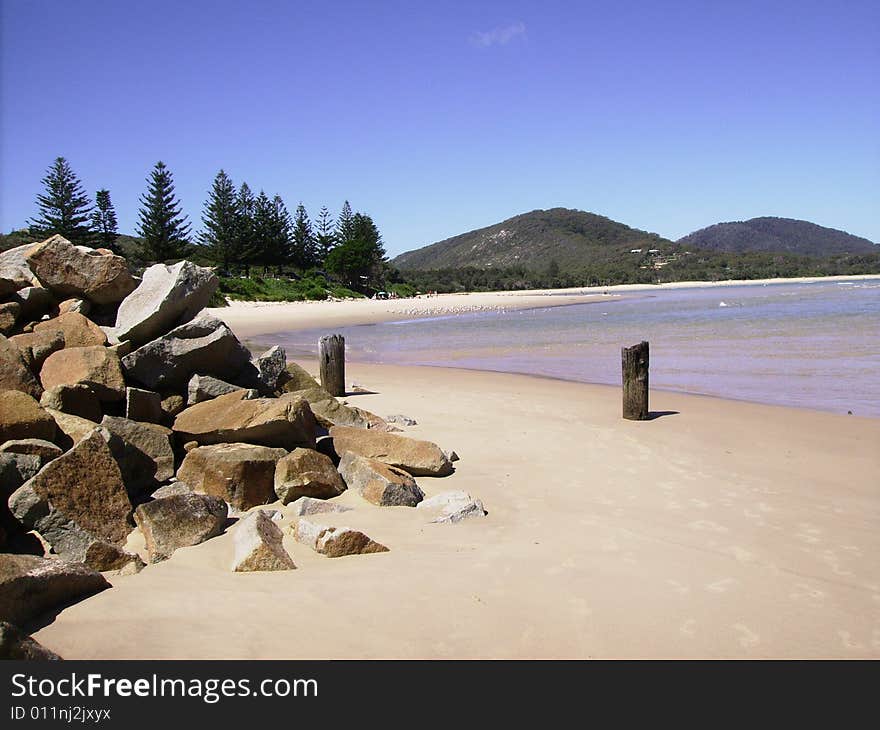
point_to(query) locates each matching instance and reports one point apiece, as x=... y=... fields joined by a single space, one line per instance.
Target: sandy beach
x=250 y=319
x=717 y=529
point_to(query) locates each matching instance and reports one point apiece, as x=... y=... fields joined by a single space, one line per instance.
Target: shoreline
x=251 y=319
x=718 y=529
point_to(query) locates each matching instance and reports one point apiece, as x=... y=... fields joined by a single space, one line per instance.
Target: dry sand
x=725 y=529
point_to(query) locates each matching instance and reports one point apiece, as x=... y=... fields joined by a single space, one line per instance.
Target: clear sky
x=441 y=117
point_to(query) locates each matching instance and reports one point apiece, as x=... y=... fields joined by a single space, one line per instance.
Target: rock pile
x=124 y=405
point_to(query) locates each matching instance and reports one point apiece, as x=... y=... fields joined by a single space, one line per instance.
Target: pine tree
x=304 y=244
x=64 y=207
x=282 y=228
x=244 y=228
x=220 y=220
x=345 y=224
x=264 y=252
x=163 y=226
x=104 y=223
x=325 y=238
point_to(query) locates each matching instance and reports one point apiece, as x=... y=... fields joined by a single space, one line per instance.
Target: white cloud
x=499 y=36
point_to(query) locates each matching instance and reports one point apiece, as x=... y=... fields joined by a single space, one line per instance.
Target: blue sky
x=437 y=118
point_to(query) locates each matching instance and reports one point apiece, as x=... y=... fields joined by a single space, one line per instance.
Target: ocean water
x=813 y=345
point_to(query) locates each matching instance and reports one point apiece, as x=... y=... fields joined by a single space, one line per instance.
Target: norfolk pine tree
x=64 y=207
x=163 y=226
x=344 y=224
x=304 y=244
x=325 y=238
x=244 y=227
x=104 y=223
x=220 y=221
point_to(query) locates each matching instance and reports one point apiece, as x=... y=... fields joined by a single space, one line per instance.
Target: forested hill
x=777 y=235
x=533 y=240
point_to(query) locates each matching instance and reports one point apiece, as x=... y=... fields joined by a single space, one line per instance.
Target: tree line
x=240 y=231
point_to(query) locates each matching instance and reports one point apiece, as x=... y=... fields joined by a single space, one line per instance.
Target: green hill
x=533 y=240
x=777 y=235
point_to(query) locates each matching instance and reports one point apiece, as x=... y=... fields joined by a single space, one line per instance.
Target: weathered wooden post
x=635 y=382
x=331 y=354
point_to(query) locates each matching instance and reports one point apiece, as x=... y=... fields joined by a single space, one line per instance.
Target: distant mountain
x=777 y=235
x=533 y=240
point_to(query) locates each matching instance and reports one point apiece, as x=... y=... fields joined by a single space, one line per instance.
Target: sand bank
x=722 y=529
x=249 y=319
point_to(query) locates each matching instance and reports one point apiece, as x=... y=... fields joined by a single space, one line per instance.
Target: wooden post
x=635 y=382
x=331 y=354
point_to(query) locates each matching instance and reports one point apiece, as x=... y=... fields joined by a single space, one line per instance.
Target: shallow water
x=813 y=345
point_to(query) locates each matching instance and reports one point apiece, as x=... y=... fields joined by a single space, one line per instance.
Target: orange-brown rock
x=35 y=347
x=69 y=271
x=419 y=458
x=76 y=497
x=14 y=371
x=96 y=366
x=240 y=474
x=306 y=473
x=376 y=482
x=78 y=331
x=285 y=422
x=21 y=417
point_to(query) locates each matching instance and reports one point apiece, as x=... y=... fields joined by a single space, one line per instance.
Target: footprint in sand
x=688 y=628
x=764 y=507
x=755 y=517
x=678 y=587
x=673 y=506
x=580 y=608
x=811 y=594
x=747 y=638
x=707 y=526
x=721 y=586
x=741 y=554
x=701 y=503
x=847 y=640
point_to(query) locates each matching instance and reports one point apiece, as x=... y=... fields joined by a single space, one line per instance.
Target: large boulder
x=35 y=347
x=9 y=312
x=75 y=499
x=419 y=458
x=77 y=399
x=285 y=422
x=257 y=545
x=330 y=412
x=14 y=371
x=21 y=417
x=142 y=450
x=95 y=366
x=179 y=521
x=375 y=481
x=78 y=331
x=452 y=506
x=204 y=345
x=241 y=474
x=15 y=644
x=30 y=586
x=167 y=297
x=335 y=542
x=68 y=270
x=205 y=387
x=15 y=274
x=143 y=405
x=306 y=473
